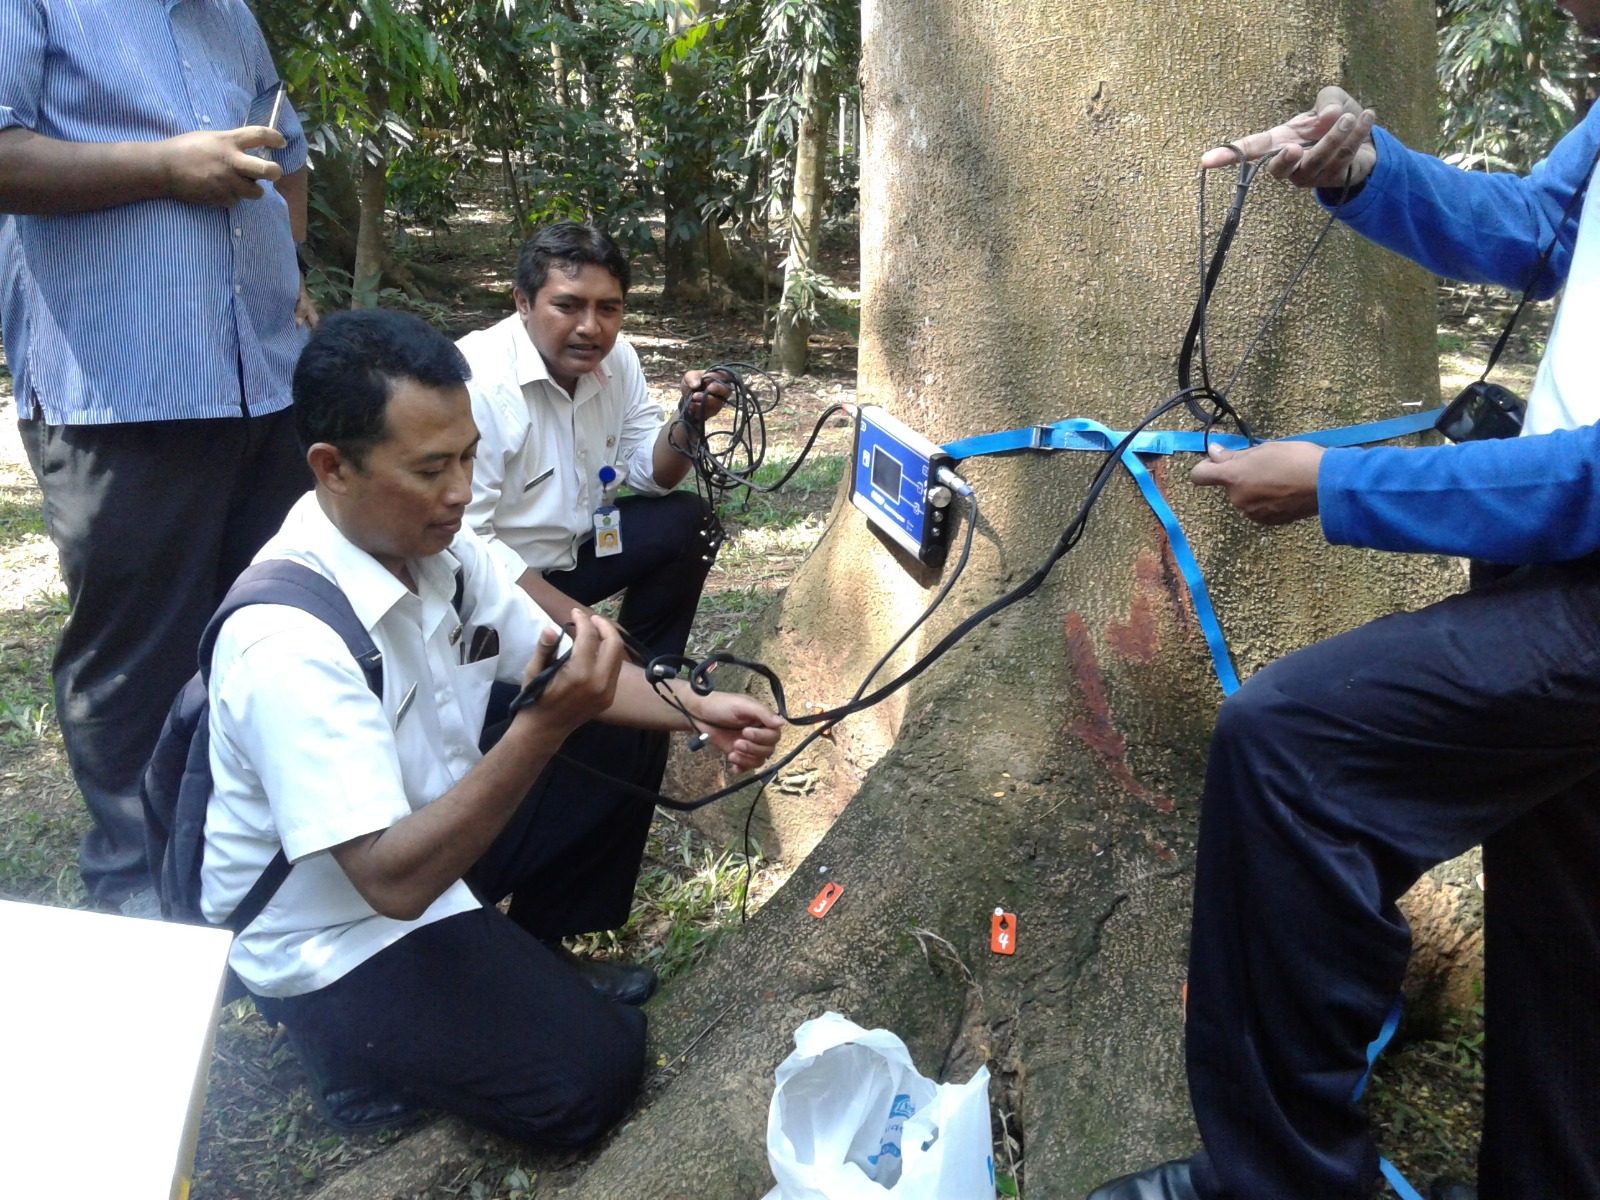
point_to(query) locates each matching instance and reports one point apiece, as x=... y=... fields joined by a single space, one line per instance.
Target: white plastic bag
x=852 y=1119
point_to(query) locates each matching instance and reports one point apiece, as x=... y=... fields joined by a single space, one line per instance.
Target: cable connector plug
x=948 y=477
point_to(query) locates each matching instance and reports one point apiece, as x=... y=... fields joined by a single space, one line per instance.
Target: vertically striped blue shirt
x=159 y=310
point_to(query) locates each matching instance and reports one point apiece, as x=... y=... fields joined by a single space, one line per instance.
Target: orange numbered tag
x=825 y=898
x=1003 y=932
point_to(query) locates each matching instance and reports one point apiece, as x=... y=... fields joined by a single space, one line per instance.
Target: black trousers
x=474 y=1014
x=1337 y=776
x=662 y=568
x=152 y=521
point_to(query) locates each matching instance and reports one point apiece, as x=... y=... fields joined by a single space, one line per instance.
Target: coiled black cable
x=728 y=456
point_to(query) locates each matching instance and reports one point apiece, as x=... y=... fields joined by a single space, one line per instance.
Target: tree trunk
x=793 y=332
x=367 y=273
x=368 y=270
x=1028 y=254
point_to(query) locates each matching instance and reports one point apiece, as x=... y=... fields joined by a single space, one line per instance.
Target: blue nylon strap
x=1082 y=434
x=1091 y=435
x=1385 y=1036
x=1397 y=1181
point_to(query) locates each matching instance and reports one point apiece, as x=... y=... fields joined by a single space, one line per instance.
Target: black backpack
x=177 y=783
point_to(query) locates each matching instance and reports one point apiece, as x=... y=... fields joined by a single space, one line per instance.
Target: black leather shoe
x=626 y=983
x=1169 y=1181
x=1445 y=1188
x=348 y=1105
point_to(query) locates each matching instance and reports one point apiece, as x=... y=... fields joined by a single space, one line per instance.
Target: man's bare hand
x=743 y=730
x=305 y=308
x=212 y=168
x=704 y=394
x=1272 y=484
x=1327 y=147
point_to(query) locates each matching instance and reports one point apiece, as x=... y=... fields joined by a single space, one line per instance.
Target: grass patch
x=1426 y=1102
x=38 y=856
x=27 y=642
x=20 y=518
x=687 y=895
x=41 y=816
x=820 y=473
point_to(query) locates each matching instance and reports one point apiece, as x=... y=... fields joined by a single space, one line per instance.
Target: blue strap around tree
x=1081 y=434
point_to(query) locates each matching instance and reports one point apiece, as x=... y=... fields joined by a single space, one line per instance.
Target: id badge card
x=607 y=531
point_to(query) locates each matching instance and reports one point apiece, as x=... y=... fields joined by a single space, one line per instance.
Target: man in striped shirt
x=148 y=298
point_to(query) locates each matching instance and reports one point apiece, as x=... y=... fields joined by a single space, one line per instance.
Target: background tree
x=1028 y=253
x=1516 y=75
x=812 y=45
x=364 y=74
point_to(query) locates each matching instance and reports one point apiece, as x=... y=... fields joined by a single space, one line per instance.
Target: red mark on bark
x=1094 y=727
x=1172 y=583
x=1139 y=637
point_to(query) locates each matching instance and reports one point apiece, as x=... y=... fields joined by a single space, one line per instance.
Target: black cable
x=949 y=585
x=730 y=455
x=700 y=683
x=1210 y=272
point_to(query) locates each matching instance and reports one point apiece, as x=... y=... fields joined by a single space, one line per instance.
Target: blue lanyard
x=1081 y=434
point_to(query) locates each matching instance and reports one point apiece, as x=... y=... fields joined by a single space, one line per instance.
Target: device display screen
x=885 y=473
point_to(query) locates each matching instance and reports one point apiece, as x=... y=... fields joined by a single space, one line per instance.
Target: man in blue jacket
x=1339 y=774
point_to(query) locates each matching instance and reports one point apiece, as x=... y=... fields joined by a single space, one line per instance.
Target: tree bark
x=1029 y=254
x=790 y=343
x=367 y=272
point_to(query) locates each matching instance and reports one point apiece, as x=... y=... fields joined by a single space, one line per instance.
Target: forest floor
x=261 y=1139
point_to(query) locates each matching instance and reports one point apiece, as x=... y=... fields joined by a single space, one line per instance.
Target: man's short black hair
x=569 y=246
x=348 y=370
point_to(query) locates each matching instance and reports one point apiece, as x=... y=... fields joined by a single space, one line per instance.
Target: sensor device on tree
x=903 y=483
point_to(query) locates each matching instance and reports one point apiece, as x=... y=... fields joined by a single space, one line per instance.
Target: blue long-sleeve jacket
x=1531 y=499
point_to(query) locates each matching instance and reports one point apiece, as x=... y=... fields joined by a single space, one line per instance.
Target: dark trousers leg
x=1541 y=1124
x=570 y=856
x=473 y=1014
x=1337 y=776
x=661 y=570
x=152 y=522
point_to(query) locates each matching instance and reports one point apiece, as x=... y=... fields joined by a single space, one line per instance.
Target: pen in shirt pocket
x=484 y=643
x=538 y=479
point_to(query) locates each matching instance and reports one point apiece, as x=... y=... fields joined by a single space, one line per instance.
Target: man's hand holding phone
x=214 y=167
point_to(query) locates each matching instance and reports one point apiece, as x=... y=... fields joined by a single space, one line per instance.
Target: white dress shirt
x=536 y=481
x=1564 y=394
x=304 y=755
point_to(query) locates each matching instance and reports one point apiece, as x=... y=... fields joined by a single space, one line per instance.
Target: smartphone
x=252 y=118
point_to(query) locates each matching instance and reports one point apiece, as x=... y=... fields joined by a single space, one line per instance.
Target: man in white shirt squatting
x=383 y=952
x=566 y=420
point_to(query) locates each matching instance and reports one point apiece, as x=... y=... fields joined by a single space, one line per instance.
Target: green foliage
x=1516 y=75
x=801 y=38
x=600 y=110
x=362 y=72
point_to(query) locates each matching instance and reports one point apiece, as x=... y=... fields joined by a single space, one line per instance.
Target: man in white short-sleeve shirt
x=383 y=952
x=567 y=420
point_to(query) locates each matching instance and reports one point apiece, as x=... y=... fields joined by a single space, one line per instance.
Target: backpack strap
x=280 y=581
